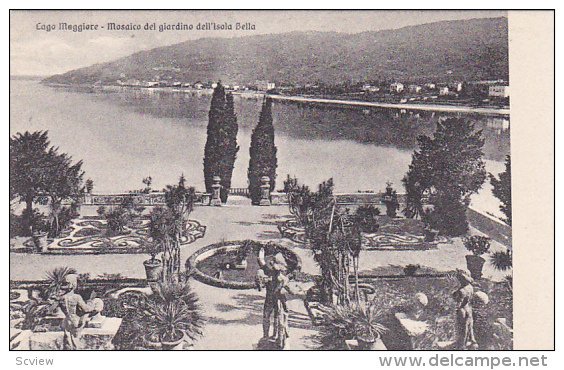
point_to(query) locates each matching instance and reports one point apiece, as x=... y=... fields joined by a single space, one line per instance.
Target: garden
x=408 y=306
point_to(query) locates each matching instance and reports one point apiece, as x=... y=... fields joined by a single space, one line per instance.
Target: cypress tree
x=229 y=147
x=221 y=145
x=263 y=160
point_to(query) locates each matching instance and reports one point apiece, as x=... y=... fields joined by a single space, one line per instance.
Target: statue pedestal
x=269 y=344
x=413 y=328
x=99 y=338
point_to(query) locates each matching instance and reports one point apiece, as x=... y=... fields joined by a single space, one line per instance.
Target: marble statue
x=464 y=316
x=77 y=312
x=272 y=276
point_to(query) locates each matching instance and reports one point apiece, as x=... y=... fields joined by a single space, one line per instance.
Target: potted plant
x=172 y=316
x=478 y=245
x=368 y=328
x=343 y=323
x=153 y=266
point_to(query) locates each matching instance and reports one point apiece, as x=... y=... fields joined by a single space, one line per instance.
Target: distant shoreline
x=406 y=106
x=488 y=111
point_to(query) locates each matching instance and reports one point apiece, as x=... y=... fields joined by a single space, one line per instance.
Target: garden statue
x=71 y=303
x=464 y=317
x=216 y=192
x=272 y=276
x=265 y=191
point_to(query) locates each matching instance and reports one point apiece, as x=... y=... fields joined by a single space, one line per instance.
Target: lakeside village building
x=498 y=91
x=262 y=85
x=396 y=87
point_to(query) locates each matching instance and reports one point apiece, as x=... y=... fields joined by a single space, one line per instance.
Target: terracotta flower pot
x=150 y=343
x=475 y=265
x=153 y=269
x=175 y=345
x=367 y=342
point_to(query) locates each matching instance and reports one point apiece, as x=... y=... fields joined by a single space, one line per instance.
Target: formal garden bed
x=90 y=235
x=392 y=233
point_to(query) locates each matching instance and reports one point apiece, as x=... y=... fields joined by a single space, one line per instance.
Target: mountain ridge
x=475 y=49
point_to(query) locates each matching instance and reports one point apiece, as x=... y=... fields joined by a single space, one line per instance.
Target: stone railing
x=141 y=199
x=278 y=198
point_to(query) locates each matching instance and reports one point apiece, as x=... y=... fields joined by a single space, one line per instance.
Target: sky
x=36 y=51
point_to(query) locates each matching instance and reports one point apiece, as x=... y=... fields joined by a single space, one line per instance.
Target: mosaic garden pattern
x=88 y=236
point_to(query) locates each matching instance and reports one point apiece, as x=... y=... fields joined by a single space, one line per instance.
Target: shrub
x=478 y=245
x=117 y=219
x=367 y=216
x=410 y=269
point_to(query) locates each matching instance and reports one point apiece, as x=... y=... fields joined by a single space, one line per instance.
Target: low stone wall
x=491 y=226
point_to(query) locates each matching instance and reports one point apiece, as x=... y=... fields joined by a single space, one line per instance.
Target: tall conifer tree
x=221 y=145
x=263 y=161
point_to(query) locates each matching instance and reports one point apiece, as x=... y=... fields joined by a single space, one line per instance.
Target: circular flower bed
x=234 y=264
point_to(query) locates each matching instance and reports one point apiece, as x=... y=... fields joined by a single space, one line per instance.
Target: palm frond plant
x=502 y=260
x=345 y=322
x=56 y=279
x=172 y=315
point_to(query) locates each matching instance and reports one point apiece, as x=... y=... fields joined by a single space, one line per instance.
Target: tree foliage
x=502 y=189
x=445 y=171
x=221 y=146
x=38 y=169
x=263 y=161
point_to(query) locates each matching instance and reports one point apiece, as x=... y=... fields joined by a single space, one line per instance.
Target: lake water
x=125 y=135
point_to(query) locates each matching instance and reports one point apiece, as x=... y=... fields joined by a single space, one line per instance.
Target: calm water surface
x=126 y=135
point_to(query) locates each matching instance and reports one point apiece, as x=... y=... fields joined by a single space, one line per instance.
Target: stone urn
x=40 y=241
x=153 y=269
x=174 y=345
x=475 y=265
x=216 y=192
x=264 y=191
x=367 y=342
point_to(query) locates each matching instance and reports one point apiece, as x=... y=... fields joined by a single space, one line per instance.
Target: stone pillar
x=265 y=191
x=216 y=188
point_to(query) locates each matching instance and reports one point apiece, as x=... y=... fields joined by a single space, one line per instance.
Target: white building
x=414 y=89
x=370 y=88
x=456 y=86
x=396 y=87
x=265 y=85
x=499 y=91
x=430 y=86
x=443 y=90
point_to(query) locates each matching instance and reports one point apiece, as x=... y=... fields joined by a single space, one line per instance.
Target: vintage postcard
x=269 y=180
